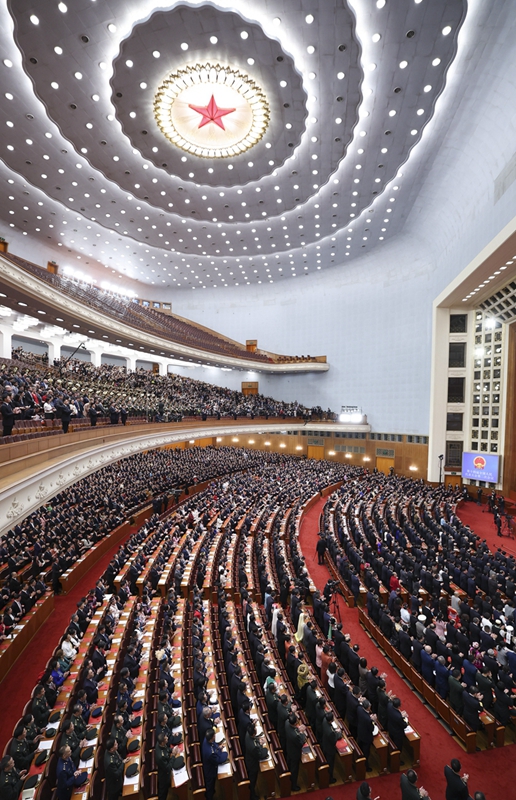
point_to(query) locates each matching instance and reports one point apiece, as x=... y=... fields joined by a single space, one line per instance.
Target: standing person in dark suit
x=365 y=727
x=320 y=549
x=212 y=756
x=330 y=737
x=114 y=769
x=66 y=414
x=409 y=790
x=8 y=415
x=123 y=414
x=295 y=737
x=113 y=414
x=456 y=787
x=396 y=723
x=254 y=753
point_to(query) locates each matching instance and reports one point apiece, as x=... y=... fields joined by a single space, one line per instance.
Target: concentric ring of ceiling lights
x=211 y=110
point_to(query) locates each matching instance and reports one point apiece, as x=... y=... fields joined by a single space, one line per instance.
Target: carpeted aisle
x=16 y=688
x=481 y=521
x=487 y=769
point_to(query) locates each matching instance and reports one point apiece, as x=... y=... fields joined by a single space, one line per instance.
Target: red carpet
x=487 y=770
x=481 y=522
x=16 y=688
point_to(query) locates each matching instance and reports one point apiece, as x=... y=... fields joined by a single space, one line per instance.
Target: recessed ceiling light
x=34 y=19
x=244 y=35
x=427 y=88
x=102 y=64
x=54 y=85
x=436 y=62
x=310 y=49
x=8 y=63
x=143 y=85
x=111 y=28
x=372 y=67
x=129 y=63
x=392 y=113
x=380 y=3
x=340 y=75
x=156 y=53
x=446 y=30
x=403 y=64
x=376 y=37
x=250 y=61
x=309 y=19
x=413 y=132
x=282 y=84
x=420 y=111
x=95 y=98
x=184 y=45
x=58 y=50
x=63 y=8
x=78 y=75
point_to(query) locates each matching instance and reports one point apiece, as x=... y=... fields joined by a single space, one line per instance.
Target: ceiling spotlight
x=340 y=75
x=310 y=49
x=309 y=19
x=213 y=39
x=129 y=63
x=34 y=19
x=184 y=46
x=244 y=35
x=446 y=30
x=156 y=53
x=78 y=75
x=62 y=8
x=143 y=85
x=8 y=63
x=376 y=37
x=403 y=64
x=427 y=88
x=380 y=3
x=58 y=50
x=111 y=27
x=436 y=62
x=250 y=61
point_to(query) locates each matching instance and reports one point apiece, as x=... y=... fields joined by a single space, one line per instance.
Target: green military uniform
x=164 y=763
x=114 y=769
x=79 y=726
x=74 y=743
x=173 y=719
x=22 y=752
x=254 y=753
x=10 y=785
x=120 y=734
x=40 y=711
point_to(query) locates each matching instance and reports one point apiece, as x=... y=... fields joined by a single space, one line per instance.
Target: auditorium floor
x=487 y=769
x=16 y=688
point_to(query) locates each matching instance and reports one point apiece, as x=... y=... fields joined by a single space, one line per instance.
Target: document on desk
x=86 y=764
x=224 y=769
x=180 y=776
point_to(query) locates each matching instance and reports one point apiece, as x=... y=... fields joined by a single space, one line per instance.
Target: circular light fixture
x=211 y=110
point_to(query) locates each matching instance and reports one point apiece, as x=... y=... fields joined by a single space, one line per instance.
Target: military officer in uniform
x=114 y=769
x=166 y=760
x=254 y=753
x=121 y=735
x=21 y=749
x=40 y=708
x=295 y=737
x=69 y=738
x=10 y=779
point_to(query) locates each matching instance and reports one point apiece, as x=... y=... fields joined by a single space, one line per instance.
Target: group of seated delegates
x=75 y=390
x=75 y=733
x=459 y=636
x=50 y=540
x=17 y=597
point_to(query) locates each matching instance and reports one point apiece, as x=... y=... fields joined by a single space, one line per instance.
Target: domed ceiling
x=198 y=145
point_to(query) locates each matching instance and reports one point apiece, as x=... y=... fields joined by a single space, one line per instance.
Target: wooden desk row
x=12 y=647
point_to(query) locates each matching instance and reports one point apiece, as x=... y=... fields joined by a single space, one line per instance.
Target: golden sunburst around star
x=225 y=88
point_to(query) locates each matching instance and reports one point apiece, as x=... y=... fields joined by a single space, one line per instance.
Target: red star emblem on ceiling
x=212 y=113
